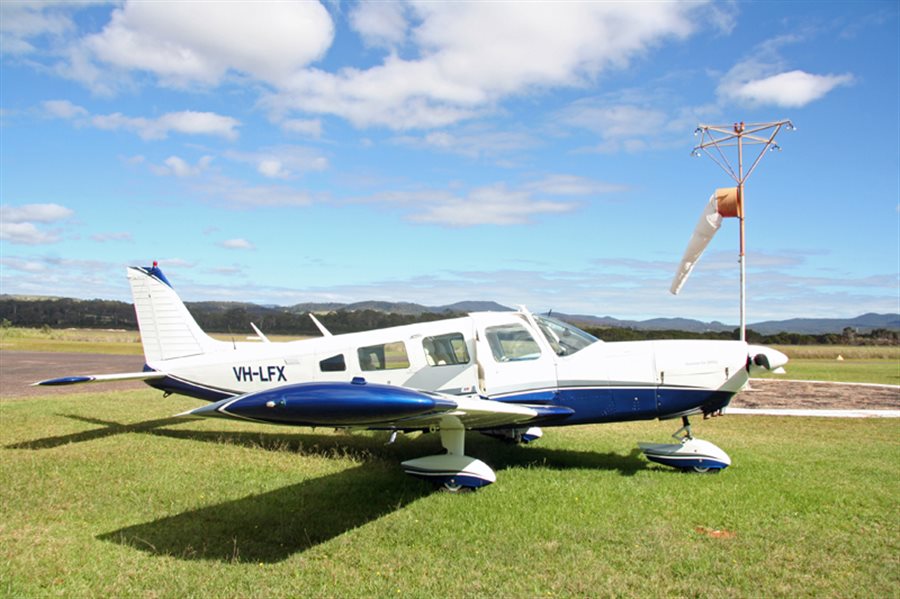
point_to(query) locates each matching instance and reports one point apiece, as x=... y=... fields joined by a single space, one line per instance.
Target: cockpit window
x=512 y=342
x=564 y=338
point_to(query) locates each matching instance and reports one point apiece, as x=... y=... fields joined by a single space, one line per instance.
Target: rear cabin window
x=333 y=364
x=446 y=350
x=386 y=356
x=512 y=342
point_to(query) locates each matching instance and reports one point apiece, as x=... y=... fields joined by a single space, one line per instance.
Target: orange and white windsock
x=724 y=203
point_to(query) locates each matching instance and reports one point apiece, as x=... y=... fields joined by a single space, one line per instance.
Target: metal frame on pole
x=737 y=135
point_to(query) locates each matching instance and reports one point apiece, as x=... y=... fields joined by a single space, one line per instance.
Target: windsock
x=724 y=203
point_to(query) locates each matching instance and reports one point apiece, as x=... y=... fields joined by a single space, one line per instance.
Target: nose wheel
x=689 y=454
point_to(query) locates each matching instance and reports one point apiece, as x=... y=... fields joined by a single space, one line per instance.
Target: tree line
x=212 y=317
x=848 y=336
x=218 y=317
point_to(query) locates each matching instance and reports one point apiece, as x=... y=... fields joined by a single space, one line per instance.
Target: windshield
x=566 y=339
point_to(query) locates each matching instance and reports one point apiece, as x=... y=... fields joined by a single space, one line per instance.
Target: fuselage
x=512 y=357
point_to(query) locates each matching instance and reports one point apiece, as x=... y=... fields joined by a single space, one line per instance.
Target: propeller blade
x=725 y=202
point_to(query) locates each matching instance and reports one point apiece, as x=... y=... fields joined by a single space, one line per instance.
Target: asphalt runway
x=19 y=369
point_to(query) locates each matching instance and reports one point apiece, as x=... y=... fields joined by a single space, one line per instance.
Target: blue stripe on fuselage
x=618 y=404
x=170 y=384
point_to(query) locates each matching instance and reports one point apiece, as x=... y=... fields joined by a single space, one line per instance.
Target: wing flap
x=474 y=412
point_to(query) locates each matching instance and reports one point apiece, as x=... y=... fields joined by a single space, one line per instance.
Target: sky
x=534 y=154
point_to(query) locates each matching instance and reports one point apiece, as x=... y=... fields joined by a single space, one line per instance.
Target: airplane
x=505 y=374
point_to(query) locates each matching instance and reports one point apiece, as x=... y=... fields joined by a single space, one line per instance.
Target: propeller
x=724 y=203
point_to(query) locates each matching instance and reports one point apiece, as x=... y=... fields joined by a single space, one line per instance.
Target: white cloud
x=474 y=141
x=238 y=195
x=764 y=79
x=22 y=21
x=17 y=223
x=380 y=23
x=63 y=109
x=186 y=122
x=237 y=244
x=445 y=72
x=571 y=185
x=26 y=234
x=493 y=205
x=272 y=168
x=497 y=204
x=308 y=127
x=533 y=45
x=178 y=167
x=282 y=162
x=792 y=89
x=188 y=43
x=117 y=236
x=42 y=213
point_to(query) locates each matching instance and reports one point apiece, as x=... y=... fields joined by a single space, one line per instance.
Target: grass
x=97 y=341
x=860 y=364
x=107 y=495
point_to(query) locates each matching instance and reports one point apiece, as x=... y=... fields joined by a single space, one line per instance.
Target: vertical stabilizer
x=167 y=328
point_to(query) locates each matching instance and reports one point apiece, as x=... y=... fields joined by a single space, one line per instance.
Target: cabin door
x=514 y=362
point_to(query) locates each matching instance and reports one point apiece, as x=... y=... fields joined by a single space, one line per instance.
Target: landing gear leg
x=689 y=454
x=686 y=429
x=454 y=471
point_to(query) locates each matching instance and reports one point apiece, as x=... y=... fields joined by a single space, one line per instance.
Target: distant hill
x=405 y=308
x=653 y=324
x=818 y=326
x=807 y=326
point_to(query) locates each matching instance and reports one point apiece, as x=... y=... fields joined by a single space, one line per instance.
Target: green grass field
x=860 y=364
x=107 y=495
x=97 y=341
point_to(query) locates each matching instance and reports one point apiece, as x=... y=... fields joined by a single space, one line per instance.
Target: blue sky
x=526 y=153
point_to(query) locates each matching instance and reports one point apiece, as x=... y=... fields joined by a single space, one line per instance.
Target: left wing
x=368 y=405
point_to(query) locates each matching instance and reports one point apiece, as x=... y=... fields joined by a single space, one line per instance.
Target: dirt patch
x=810 y=395
x=19 y=369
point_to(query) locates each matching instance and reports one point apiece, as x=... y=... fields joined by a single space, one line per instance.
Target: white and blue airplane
x=501 y=373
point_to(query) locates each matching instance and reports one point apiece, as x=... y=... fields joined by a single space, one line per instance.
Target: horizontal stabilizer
x=101 y=378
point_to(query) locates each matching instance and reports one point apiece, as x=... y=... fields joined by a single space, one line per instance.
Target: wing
x=367 y=405
x=101 y=378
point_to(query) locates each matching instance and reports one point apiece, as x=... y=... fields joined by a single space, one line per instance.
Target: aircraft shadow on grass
x=272 y=526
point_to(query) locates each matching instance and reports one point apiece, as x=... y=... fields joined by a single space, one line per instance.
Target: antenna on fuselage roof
x=325 y=332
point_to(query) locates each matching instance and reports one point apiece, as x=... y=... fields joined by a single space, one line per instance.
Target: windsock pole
x=739 y=129
x=721 y=136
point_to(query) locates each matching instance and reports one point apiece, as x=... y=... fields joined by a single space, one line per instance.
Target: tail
x=167 y=328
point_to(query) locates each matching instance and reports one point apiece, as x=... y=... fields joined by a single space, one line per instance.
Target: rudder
x=167 y=328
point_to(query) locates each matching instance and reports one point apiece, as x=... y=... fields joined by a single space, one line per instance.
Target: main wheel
x=454 y=487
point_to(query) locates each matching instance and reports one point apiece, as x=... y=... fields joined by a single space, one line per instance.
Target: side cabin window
x=512 y=342
x=385 y=356
x=446 y=350
x=333 y=364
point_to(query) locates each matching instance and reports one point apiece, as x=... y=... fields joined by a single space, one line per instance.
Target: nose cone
x=766 y=358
